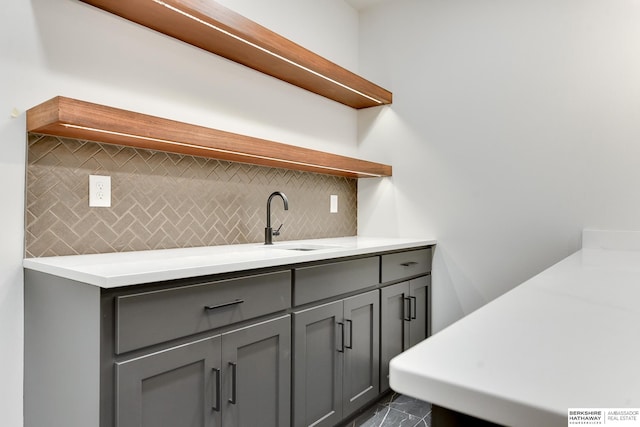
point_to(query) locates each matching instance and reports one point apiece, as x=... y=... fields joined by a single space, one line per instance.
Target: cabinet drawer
x=326 y=281
x=157 y=316
x=405 y=264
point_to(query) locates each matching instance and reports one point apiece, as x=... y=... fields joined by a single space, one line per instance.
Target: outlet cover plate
x=333 y=203
x=99 y=191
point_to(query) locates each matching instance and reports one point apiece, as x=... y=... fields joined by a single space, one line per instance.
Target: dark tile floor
x=394 y=410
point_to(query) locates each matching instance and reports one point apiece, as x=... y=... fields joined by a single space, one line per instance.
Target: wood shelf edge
x=71 y=118
x=193 y=22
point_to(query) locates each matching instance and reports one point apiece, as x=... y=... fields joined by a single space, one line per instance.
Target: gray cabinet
x=318 y=365
x=336 y=359
x=361 y=351
x=256 y=380
x=238 y=379
x=184 y=310
x=219 y=351
x=404 y=319
x=174 y=387
x=330 y=280
x=404 y=265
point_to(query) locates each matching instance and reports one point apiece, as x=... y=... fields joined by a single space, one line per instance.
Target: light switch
x=334 y=203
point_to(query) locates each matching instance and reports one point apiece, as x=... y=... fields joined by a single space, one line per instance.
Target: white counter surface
x=567 y=338
x=129 y=268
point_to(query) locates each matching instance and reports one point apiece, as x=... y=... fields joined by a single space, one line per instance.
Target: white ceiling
x=362 y=4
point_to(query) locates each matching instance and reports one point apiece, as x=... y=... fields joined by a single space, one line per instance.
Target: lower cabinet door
x=361 y=379
x=394 y=326
x=256 y=363
x=174 y=387
x=404 y=320
x=318 y=347
x=419 y=295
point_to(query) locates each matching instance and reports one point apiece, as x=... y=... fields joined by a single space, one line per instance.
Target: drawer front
x=326 y=281
x=157 y=316
x=405 y=264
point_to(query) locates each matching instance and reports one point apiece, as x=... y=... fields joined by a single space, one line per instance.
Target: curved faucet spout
x=268 y=232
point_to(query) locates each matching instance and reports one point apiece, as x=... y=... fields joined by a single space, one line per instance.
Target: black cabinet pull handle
x=406 y=309
x=408 y=263
x=224 y=304
x=341 y=349
x=414 y=307
x=234 y=383
x=216 y=407
x=350 y=346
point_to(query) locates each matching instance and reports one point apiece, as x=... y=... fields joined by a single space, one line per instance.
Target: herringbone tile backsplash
x=162 y=200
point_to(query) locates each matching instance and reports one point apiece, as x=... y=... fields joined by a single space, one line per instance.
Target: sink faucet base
x=268 y=236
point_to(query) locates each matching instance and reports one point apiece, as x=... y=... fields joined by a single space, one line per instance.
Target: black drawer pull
x=406 y=308
x=224 y=304
x=408 y=263
x=350 y=346
x=234 y=383
x=216 y=407
x=341 y=350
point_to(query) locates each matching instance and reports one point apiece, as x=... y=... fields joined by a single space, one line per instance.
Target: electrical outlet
x=333 y=203
x=99 y=191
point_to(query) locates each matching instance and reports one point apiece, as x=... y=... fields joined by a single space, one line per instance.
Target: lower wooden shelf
x=71 y=118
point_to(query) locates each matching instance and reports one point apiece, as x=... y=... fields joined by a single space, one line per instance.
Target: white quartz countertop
x=567 y=338
x=129 y=268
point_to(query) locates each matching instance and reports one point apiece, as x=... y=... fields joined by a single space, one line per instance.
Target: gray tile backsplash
x=163 y=200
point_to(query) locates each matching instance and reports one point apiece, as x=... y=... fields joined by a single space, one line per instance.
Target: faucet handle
x=277 y=232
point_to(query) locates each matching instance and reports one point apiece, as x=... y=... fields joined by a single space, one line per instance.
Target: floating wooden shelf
x=212 y=27
x=83 y=120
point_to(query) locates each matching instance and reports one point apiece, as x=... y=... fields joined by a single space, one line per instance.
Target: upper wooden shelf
x=212 y=27
x=71 y=118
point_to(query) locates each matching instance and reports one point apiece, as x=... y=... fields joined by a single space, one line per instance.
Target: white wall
x=515 y=124
x=65 y=47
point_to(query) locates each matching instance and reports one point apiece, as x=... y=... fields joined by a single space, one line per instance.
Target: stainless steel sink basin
x=304 y=247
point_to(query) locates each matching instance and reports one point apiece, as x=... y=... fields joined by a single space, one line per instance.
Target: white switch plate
x=334 y=203
x=99 y=191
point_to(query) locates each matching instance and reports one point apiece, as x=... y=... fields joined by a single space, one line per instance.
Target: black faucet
x=269 y=232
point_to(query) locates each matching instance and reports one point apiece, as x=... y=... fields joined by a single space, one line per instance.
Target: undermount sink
x=304 y=247
x=301 y=249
